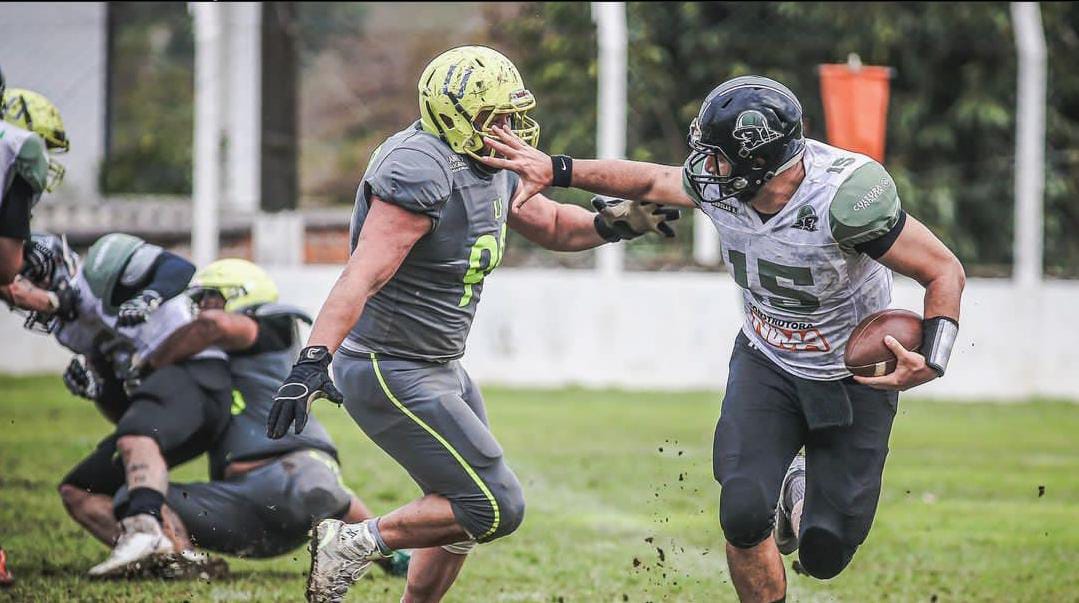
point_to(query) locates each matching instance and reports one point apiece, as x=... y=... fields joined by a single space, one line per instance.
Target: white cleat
x=341 y=553
x=140 y=539
x=786 y=539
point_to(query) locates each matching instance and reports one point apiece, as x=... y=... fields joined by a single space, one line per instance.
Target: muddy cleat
x=141 y=538
x=341 y=553
x=786 y=539
x=6 y=579
x=188 y=565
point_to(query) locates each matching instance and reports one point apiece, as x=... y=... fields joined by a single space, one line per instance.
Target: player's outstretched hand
x=910 y=371
x=531 y=164
x=308 y=381
x=626 y=219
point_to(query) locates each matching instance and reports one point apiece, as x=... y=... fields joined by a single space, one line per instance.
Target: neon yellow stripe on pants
x=451 y=449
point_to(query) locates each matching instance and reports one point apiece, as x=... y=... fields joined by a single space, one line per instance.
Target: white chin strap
x=790 y=163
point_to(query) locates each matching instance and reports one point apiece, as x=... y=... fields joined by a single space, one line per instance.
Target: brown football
x=867 y=356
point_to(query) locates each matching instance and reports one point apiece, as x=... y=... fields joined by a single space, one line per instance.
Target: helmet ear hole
x=446 y=120
x=760 y=162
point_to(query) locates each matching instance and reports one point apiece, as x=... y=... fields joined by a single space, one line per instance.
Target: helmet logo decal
x=807 y=219
x=751 y=128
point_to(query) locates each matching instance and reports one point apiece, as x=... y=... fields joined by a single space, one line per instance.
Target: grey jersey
x=255 y=379
x=425 y=311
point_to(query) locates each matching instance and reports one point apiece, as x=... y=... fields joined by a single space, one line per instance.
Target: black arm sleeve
x=880 y=245
x=276 y=333
x=171 y=275
x=15 y=210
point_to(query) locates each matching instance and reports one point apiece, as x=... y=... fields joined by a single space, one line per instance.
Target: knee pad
x=744 y=514
x=511 y=511
x=823 y=553
x=460 y=548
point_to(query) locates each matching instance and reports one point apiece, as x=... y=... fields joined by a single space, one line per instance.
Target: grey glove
x=622 y=219
x=81 y=380
x=136 y=310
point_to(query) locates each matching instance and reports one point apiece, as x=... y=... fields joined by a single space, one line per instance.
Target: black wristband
x=562 y=166
x=938 y=337
x=605 y=230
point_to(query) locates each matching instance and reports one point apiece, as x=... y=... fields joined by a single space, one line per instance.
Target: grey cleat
x=786 y=539
x=341 y=553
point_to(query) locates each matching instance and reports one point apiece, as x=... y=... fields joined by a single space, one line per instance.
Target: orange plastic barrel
x=856 y=107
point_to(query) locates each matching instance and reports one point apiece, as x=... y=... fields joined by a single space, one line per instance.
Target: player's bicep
x=535 y=220
x=389 y=232
x=918 y=254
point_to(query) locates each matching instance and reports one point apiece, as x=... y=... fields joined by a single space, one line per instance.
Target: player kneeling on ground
x=430 y=223
x=811 y=233
x=265 y=494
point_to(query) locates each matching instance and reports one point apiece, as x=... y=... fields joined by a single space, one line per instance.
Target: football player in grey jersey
x=430 y=223
x=809 y=232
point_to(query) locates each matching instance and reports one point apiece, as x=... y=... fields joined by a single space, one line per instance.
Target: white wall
x=675 y=331
x=59 y=49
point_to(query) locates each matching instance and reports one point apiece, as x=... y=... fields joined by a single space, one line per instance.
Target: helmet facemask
x=464 y=91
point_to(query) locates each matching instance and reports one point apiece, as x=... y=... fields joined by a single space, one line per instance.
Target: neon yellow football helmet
x=465 y=84
x=240 y=282
x=33 y=112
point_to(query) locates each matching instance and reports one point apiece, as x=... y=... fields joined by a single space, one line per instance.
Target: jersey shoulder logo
x=806 y=219
x=751 y=128
x=456 y=163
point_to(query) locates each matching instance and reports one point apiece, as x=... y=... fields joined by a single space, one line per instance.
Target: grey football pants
x=430 y=418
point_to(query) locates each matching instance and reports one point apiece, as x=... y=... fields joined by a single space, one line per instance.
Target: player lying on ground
x=265 y=494
x=811 y=233
x=30 y=128
x=430 y=223
x=127 y=305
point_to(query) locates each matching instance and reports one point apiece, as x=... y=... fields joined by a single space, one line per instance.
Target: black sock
x=144 y=500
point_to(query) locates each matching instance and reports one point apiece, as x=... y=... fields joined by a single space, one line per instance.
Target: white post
x=244 y=105
x=1029 y=144
x=209 y=58
x=610 y=18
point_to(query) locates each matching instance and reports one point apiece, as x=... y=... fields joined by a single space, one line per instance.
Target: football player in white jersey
x=811 y=233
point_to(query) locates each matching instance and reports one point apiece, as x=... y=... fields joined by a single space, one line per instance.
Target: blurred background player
x=129 y=302
x=30 y=129
x=810 y=232
x=429 y=224
x=264 y=495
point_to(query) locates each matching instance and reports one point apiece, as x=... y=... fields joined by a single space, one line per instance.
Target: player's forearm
x=343 y=307
x=556 y=226
x=22 y=294
x=185 y=342
x=944 y=291
x=631 y=180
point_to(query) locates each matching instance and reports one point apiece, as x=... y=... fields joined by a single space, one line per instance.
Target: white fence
x=554 y=328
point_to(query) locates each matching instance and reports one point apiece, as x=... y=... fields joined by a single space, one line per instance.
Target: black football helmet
x=755 y=125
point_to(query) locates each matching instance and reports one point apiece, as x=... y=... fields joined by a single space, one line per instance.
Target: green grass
x=960 y=517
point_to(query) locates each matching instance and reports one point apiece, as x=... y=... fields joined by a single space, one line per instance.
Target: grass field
x=622 y=505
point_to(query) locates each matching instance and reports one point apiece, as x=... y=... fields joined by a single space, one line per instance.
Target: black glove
x=81 y=380
x=309 y=380
x=621 y=219
x=137 y=309
x=38 y=263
